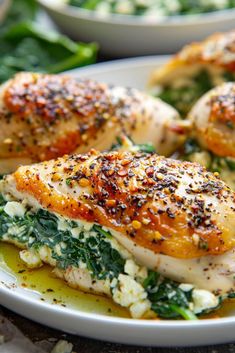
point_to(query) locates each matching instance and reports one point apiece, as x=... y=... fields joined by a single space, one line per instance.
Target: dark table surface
x=38 y=332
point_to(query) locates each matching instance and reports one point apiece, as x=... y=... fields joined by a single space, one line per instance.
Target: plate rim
x=111 y=319
x=116 y=64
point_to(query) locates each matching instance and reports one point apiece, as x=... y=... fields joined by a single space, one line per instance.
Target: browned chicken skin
x=171 y=207
x=172 y=216
x=47 y=116
x=216 y=53
x=213 y=119
x=194 y=70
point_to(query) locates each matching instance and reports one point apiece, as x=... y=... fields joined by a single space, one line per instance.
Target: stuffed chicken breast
x=114 y=222
x=196 y=69
x=213 y=131
x=47 y=116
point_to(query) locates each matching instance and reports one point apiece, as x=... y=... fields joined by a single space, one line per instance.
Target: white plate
x=121 y=36
x=125 y=72
x=132 y=72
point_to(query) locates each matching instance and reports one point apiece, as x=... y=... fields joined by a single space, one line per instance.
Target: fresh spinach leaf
x=168 y=300
x=26 y=47
x=142 y=147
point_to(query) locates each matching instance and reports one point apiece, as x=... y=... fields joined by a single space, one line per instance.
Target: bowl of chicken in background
x=130 y=35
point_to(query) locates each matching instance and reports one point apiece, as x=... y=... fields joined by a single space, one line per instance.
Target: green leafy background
x=27 y=46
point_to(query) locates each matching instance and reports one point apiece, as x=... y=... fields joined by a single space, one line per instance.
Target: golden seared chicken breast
x=47 y=116
x=118 y=223
x=196 y=69
x=213 y=132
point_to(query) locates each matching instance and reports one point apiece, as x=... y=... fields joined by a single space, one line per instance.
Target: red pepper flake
x=150 y=171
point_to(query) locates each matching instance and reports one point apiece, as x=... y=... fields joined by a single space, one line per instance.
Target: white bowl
x=124 y=35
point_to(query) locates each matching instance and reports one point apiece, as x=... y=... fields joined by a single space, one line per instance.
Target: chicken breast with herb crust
x=196 y=69
x=213 y=131
x=46 y=116
x=105 y=219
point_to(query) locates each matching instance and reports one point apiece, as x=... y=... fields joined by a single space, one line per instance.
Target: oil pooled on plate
x=52 y=289
x=55 y=291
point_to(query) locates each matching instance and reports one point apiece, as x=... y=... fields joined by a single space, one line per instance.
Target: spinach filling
x=184 y=97
x=92 y=248
x=141 y=147
x=41 y=228
x=168 y=300
x=215 y=163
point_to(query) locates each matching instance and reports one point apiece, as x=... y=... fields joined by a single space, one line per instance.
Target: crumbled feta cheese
x=131 y=268
x=45 y=254
x=14 y=209
x=142 y=273
x=62 y=224
x=75 y=232
x=30 y=258
x=58 y=249
x=143 y=3
x=186 y=287
x=203 y=300
x=113 y=283
x=139 y=308
x=172 y=5
x=82 y=265
x=171 y=294
x=219 y=4
x=125 y=7
x=103 y=8
x=87 y=226
x=129 y=291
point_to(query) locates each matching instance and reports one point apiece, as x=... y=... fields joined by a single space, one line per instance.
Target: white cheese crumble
x=14 y=209
x=31 y=258
x=125 y=7
x=46 y=256
x=203 y=300
x=130 y=293
x=131 y=268
x=140 y=308
x=186 y=287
